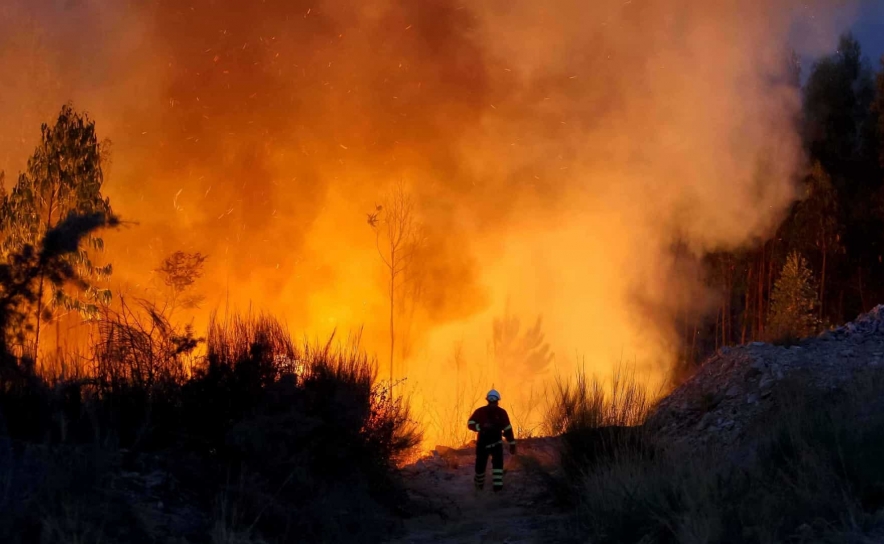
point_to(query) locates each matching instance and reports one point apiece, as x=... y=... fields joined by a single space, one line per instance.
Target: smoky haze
x=557 y=151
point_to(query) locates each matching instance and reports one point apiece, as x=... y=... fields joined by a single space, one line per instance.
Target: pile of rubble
x=737 y=387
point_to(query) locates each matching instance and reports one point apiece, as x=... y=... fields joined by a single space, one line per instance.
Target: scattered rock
x=737 y=386
x=705 y=421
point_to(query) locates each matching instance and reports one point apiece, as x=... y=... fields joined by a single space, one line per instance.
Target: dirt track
x=451 y=511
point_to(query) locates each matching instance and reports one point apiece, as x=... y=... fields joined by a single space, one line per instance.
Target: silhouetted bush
x=269 y=440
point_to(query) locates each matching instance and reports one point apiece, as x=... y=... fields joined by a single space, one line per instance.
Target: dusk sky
x=815 y=33
x=869 y=29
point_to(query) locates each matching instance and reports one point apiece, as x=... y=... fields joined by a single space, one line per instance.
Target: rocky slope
x=736 y=388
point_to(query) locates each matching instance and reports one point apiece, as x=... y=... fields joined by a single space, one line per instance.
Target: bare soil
x=449 y=510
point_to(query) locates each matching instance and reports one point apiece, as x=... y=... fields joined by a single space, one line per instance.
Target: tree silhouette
x=524 y=354
x=398 y=236
x=63 y=178
x=25 y=270
x=179 y=271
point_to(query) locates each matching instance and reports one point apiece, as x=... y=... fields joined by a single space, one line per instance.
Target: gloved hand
x=512 y=449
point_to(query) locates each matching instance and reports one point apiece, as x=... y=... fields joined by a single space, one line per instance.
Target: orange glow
x=556 y=151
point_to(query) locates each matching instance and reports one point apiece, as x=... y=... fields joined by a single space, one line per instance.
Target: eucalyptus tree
x=63 y=178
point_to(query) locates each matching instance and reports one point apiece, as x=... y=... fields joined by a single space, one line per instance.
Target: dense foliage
x=836 y=225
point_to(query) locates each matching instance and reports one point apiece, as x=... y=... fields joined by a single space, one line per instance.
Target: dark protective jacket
x=490 y=422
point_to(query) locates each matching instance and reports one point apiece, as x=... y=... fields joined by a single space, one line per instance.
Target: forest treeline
x=824 y=265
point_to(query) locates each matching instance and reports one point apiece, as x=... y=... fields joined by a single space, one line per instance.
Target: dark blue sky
x=814 y=33
x=869 y=29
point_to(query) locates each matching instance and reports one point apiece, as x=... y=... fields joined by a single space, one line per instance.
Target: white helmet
x=492 y=396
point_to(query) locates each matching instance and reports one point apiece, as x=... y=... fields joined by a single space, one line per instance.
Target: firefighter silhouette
x=491 y=421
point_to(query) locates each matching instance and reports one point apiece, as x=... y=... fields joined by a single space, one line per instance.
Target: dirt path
x=451 y=511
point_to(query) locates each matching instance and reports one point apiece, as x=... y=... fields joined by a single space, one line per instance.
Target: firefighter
x=490 y=421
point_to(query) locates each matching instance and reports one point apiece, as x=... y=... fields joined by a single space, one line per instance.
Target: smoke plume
x=556 y=151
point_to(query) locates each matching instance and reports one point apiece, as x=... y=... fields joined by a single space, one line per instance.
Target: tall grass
x=596 y=420
x=810 y=472
x=588 y=402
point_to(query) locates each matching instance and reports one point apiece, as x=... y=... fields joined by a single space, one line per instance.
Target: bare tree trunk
x=40 y=289
x=862 y=294
x=759 y=295
x=717 y=324
x=747 y=300
x=770 y=274
x=392 y=301
x=729 y=302
x=823 y=281
x=39 y=318
x=58 y=341
x=687 y=331
x=727 y=296
x=757 y=291
x=841 y=304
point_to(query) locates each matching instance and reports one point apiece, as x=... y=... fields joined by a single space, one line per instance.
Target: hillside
x=735 y=391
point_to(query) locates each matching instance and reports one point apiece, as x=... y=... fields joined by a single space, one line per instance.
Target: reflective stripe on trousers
x=497 y=474
x=496 y=454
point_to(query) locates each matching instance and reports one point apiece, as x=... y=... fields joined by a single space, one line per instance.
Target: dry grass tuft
x=812 y=473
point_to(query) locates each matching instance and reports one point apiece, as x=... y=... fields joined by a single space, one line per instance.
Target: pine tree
x=518 y=354
x=793 y=312
x=63 y=178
